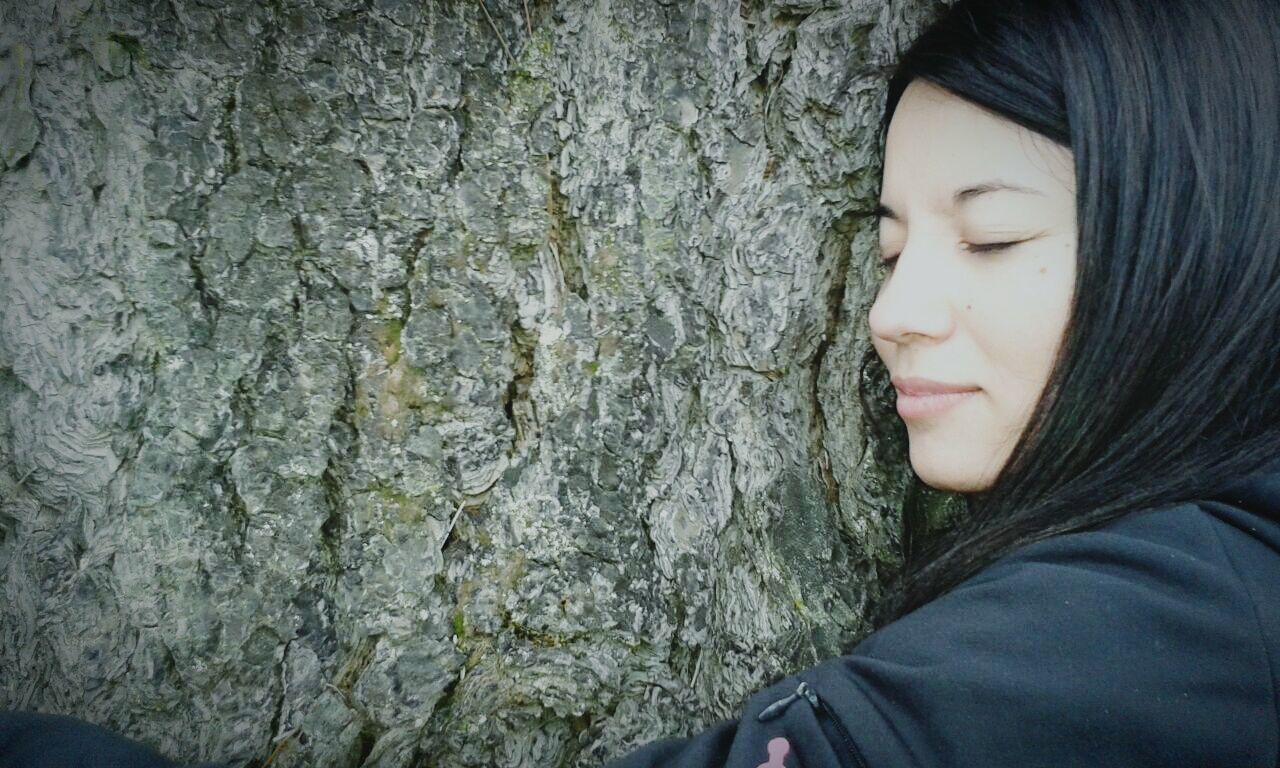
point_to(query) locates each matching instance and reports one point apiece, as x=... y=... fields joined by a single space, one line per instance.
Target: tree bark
x=445 y=383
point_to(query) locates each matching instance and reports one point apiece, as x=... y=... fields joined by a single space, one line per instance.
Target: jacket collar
x=1251 y=503
x=1258 y=492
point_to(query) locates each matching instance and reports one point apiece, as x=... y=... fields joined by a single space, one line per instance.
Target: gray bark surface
x=450 y=383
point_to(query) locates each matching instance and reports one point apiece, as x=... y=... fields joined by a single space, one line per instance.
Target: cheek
x=1023 y=342
x=1021 y=328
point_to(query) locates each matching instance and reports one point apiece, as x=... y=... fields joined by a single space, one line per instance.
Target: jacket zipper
x=806 y=692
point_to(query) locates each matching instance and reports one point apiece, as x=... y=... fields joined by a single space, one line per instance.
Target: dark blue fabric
x=41 y=740
x=1149 y=642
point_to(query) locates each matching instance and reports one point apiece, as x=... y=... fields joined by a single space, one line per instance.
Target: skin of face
x=947 y=312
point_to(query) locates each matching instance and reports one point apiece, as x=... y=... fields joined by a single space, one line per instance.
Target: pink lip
x=918 y=397
x=920 y=406
x=915 y=385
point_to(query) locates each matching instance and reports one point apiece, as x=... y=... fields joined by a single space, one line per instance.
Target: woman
x=1082 y=252
x=1081 y=315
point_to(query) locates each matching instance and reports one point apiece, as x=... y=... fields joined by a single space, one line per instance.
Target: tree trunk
x=438 y=383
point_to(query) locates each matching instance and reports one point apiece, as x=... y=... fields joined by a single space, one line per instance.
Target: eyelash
x=980 y=248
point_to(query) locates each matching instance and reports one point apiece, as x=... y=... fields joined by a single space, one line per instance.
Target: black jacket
x=1151 y=641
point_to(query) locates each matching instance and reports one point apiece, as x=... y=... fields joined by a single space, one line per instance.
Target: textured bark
x=402 y=383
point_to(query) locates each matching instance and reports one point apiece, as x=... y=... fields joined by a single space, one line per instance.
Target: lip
x=918 y=398
x=914 y=385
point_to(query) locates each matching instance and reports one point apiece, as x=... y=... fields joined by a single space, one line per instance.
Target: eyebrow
x=962 y=196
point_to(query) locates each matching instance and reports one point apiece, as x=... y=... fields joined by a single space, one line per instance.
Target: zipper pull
x=777 y=707
x=811 y=695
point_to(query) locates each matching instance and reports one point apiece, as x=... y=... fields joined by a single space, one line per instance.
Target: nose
x=914 y=302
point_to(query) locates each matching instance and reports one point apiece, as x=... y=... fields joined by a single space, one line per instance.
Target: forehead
x=938 y=143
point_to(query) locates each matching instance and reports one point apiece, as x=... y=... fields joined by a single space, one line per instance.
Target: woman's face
x=988 y=321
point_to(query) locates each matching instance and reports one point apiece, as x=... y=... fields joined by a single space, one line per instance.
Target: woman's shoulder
x=1215 y=557
x=1140 y=642
x=1243 y=519
x=1230 y=540
x=1234 y=537
x=1203 y=552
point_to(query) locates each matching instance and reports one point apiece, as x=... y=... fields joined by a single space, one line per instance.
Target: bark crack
x=516 y=402
x=410 y=259
x=227 y=129
x=342 y=446
x=842 y=246
x=563 y=236
x=279 y=710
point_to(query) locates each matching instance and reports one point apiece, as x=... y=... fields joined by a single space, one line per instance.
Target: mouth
x=925 y=405
x=918 y=385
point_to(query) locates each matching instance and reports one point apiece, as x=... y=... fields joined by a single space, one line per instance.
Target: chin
x=953 y=487
x=952 y=477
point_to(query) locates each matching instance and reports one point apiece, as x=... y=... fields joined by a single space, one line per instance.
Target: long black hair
x=1167 y=382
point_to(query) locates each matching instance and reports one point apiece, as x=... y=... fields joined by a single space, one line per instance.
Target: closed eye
x=985 y=247
x=972 y=247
